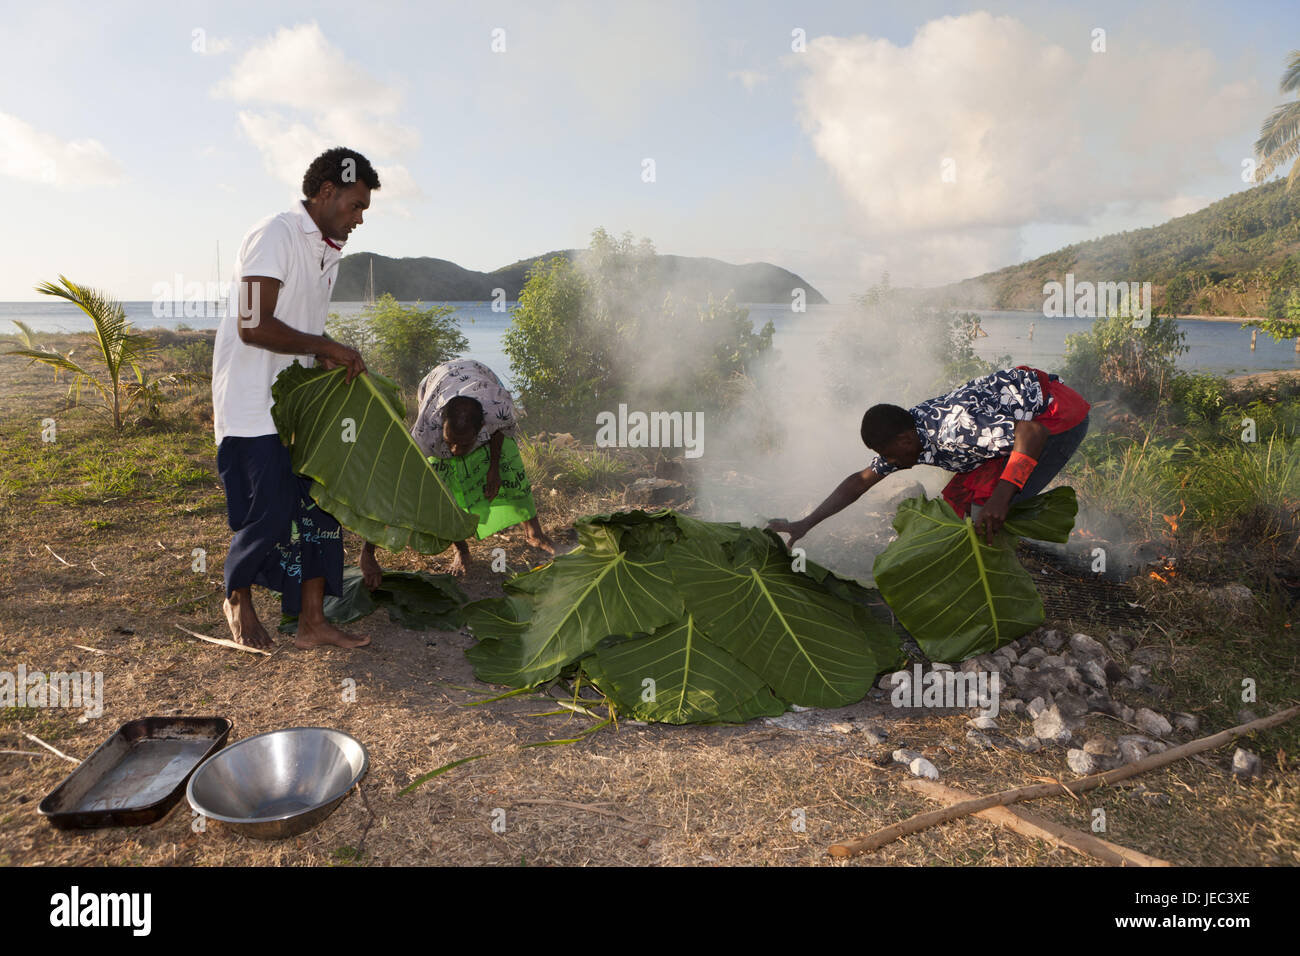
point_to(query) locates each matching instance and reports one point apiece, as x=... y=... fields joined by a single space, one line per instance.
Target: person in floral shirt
x=1006 y=435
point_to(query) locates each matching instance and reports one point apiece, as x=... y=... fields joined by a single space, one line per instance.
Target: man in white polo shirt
x=285 y=275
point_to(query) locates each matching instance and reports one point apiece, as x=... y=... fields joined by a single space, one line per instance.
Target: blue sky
x=128 y=153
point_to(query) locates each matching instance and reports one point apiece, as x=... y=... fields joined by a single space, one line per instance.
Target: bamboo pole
x=879 y=838
x=1031 y=825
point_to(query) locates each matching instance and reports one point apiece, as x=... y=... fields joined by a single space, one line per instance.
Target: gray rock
x=1232 y=594
x=905 y=678
x=1052 y=661
x=983 y=723
x=1187 y=722
x=1030 y=745
x=1074 y=679
x=1011 y=705
x=1052 y=725
x=1031 y=657
x=875 y=735
x=1094 y=674
x=905 y=756
x=920 y=767
x=940 y=666
x=1133 y=747
x=1053 y=640
x=1099 y=702
x=1124 y=712
x=1081 y=762
x=1007 y=653
x=1070 y=705
x=1152 y=724
x=1101 y=747
x=1035 y=707
x=1021 y=676
x=1246 y=764
x=1085 y=646
x=1246 y=715
x=980 y=740
x=1137 y=675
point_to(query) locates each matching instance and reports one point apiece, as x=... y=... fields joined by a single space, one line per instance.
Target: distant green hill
x=438 y=280
x=1238 y=256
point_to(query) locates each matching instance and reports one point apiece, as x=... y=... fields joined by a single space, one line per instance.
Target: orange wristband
x=1018 y=469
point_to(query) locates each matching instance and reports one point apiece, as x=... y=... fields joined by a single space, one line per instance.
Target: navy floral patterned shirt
x=974 y=422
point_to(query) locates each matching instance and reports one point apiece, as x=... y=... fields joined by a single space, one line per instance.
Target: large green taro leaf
x=578 y=600
x=677 y=675
x=414 y=599
x=955 y=594
x=812 y=647
x=379 y=484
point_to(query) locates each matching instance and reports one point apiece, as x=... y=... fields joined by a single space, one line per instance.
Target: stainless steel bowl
x=279 y=783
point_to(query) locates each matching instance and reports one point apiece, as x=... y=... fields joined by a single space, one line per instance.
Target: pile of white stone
x=1055 y=681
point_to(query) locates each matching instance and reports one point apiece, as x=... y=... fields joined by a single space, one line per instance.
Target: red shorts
x=1065 y=409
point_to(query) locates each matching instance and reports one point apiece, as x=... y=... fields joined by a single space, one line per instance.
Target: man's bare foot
x=324 y=633
x=245 y=628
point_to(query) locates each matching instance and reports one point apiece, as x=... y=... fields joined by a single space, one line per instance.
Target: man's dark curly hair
x=883 y=423
x=328 y=167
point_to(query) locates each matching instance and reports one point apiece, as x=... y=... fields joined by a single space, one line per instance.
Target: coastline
x=1264 y=378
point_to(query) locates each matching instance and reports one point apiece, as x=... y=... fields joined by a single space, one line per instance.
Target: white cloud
x=305 y=96
x=1029 y=131
x=36 y=156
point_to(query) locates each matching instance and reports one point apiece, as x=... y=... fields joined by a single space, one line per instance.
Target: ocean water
x=1219 y=347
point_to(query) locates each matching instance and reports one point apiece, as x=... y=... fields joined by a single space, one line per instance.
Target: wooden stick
x=26 y=753
x=1032 y=825
x=94 y=650
x=51 y=550
x=54 y=750
x=225 y=643
x=872 y=841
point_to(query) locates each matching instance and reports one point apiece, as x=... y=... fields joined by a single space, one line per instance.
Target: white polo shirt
x=288 y=247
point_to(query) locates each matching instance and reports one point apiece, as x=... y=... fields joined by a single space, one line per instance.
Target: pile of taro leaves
x=679 y=621
x=674 y=619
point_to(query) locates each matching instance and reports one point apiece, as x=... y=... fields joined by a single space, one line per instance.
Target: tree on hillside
x=1279 y=137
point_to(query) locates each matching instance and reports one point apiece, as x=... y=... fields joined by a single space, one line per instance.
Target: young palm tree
x=121 y=350
x=1279 y=137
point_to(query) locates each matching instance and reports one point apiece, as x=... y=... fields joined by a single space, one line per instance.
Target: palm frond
x=53 y=359
x=1278 y=137
x=1291 y=76
x=106 y=315
x=25 y=335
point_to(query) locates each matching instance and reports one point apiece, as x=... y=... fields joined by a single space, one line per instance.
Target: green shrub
x=1134 y=364
x=1200 y=397
x=403 y=342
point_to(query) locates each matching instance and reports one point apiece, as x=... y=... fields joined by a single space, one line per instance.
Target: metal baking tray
x=136 y=775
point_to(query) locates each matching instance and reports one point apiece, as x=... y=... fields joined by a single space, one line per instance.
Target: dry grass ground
x=125 y=514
